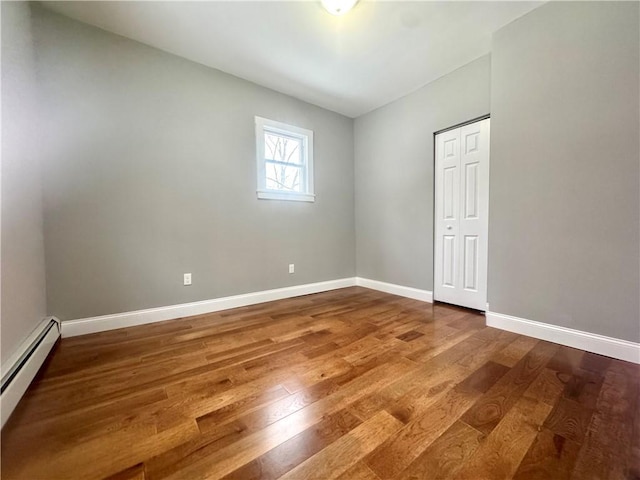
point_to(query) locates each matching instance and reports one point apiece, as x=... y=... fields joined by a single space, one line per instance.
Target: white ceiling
x=378 y=52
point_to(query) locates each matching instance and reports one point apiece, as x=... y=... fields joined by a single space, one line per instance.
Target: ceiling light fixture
x=338 y=7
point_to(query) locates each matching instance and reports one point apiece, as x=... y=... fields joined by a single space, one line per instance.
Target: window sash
x=302 y=185
x=301 y=142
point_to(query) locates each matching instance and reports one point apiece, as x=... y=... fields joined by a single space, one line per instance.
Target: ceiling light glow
x=338 y=7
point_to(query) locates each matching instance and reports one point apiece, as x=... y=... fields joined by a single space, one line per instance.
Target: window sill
x=296 y=197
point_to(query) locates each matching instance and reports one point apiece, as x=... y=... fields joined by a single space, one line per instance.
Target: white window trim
x=306 y=136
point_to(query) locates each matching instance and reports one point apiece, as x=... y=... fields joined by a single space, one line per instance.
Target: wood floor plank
x=500 y=454
x=569 y=419
x=634 y=461
x=368 y=406
x=132 y=473
x=293 y=452
x=346 y=452
x=584 y=387
x=512 y=353
x=83 y=424
x=445 y=456
x=550 y=456
x=606 y=450
x=547 y=387
x=566 y=360
x=107 y=455
x=241 y=406
x=425 y=426
x=273 y=412
x=495 y=404
x=178 y=457
x=410 y=335
x=354 y=384
x=360 y=471
x=485 y=377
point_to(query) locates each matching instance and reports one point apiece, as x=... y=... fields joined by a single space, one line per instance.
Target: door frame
x=433 y=199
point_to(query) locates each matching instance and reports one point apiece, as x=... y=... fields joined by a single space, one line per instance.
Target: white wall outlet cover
x=187 y=279
x=292 y=268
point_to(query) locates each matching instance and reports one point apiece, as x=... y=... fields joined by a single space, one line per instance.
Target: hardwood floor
x=349 y=384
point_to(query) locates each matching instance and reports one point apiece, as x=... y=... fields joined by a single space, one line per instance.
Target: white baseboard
x=409 y=292
x=103 y=323
x=20 y=369
x=591 y=342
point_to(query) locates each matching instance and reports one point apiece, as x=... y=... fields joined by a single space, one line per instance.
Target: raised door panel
x=449 y=251
x=450 y=185
x=470 y=260
x=471 y=191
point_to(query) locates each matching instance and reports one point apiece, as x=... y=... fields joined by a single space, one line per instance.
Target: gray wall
x=564 y=203
x=152 y=174
x=394 y=174
x=23 y=277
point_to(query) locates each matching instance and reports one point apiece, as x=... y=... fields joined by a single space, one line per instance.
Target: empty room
x=320 y=239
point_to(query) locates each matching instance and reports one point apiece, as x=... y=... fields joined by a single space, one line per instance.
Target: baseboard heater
x=24 y=365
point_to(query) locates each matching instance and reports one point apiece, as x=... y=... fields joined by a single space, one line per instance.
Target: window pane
x=281 y=148
x=287 y=178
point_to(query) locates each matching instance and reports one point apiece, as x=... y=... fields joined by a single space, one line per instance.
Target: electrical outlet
x=187 y=279
x=292 y=268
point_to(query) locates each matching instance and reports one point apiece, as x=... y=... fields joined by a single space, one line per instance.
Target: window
x=285 y=161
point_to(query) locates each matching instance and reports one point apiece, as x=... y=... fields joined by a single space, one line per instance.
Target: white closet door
x=461 y=215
